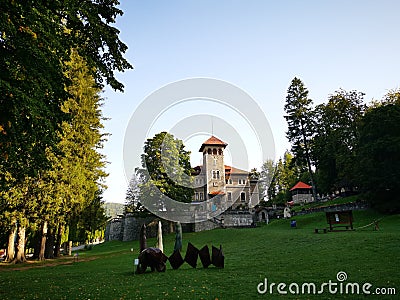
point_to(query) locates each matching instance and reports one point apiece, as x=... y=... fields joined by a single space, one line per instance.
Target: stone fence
x=127 y=227
x=358 y=205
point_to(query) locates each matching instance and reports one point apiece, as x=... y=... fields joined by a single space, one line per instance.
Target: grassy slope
x=336 y=201
x=274 y=251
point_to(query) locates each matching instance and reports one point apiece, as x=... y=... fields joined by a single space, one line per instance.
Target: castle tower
x=213 y=166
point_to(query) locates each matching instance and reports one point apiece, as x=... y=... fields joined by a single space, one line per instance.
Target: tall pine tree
x=78 y=171
x=298 y=108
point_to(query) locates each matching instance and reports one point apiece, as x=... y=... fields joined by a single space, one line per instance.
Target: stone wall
x=238 y=219
x=359 y=205
x=302 y=198
x=127 y=228
x=231 y=219
x=114 y=230
x=205 y=225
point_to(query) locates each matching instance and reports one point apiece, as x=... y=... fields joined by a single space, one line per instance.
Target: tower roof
x=212 y=141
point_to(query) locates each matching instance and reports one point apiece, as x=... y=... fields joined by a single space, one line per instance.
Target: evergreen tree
x=285 y=177
x=132 y=203
x=267 y=174
x=298 y=108
x=79 y=166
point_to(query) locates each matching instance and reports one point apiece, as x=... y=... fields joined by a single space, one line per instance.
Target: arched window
x=209 y=150
x=220 y=151
x=215 y=151
x=243 y=196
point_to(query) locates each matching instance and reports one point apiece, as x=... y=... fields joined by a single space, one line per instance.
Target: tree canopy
x=335 y=139
x=379 y=156
x=54 y=58
x=352 y=146
x=168 y=164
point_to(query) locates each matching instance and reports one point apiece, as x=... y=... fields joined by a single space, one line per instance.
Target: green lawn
x=275 y=251
x=336 y=201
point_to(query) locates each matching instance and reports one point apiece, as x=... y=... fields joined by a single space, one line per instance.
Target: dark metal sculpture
x=153 y=258
x=192 y=254
x=217 y=257
x=204 y=254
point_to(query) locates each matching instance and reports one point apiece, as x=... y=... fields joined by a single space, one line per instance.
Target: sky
x=257 y=47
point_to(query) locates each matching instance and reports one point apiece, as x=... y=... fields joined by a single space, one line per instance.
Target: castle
x=232 y=191
x=234 y=186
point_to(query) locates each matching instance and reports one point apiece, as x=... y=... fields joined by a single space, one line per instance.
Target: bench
x=340 y=219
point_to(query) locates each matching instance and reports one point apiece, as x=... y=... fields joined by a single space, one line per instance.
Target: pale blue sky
x=258 y=46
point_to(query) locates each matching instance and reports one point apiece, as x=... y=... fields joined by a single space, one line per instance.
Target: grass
x=335 y=201
x=274 y=251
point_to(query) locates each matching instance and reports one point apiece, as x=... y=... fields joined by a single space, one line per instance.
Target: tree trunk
x=20 y=256
x=37 y=237
x=314 y=189
x=58 y=241
x=11 y=244
x=43 y=241
x=49 y=250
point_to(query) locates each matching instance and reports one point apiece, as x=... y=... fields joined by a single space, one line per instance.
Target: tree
x=93 y=217
x=166 y=166
x=36 y=39
x=78 y=167
x=336 y=138
x=298 y=108
x=285 y=176
x=267 y=173
x=132 y=203
x=379 y=157
x=392 y=97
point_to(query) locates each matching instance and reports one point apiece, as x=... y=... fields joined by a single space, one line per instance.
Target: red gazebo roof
x=301 y=185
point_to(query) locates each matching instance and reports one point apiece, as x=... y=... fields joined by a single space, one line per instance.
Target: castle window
x=228 y=181
x=215 y=151
x=220 y=151
x=229 y=196
x=243 y=196
x=209 y=150
x=215 y=174
x=242 y=181
x=196 y=196
x=201 y=196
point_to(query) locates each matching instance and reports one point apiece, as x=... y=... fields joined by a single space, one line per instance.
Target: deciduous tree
x=167 y=164
x=379 y=156
x=336 y=138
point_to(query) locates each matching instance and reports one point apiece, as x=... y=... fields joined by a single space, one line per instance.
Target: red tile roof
x=213 y=141
x=217 y=193
x=233 y=170
x=301 y=185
